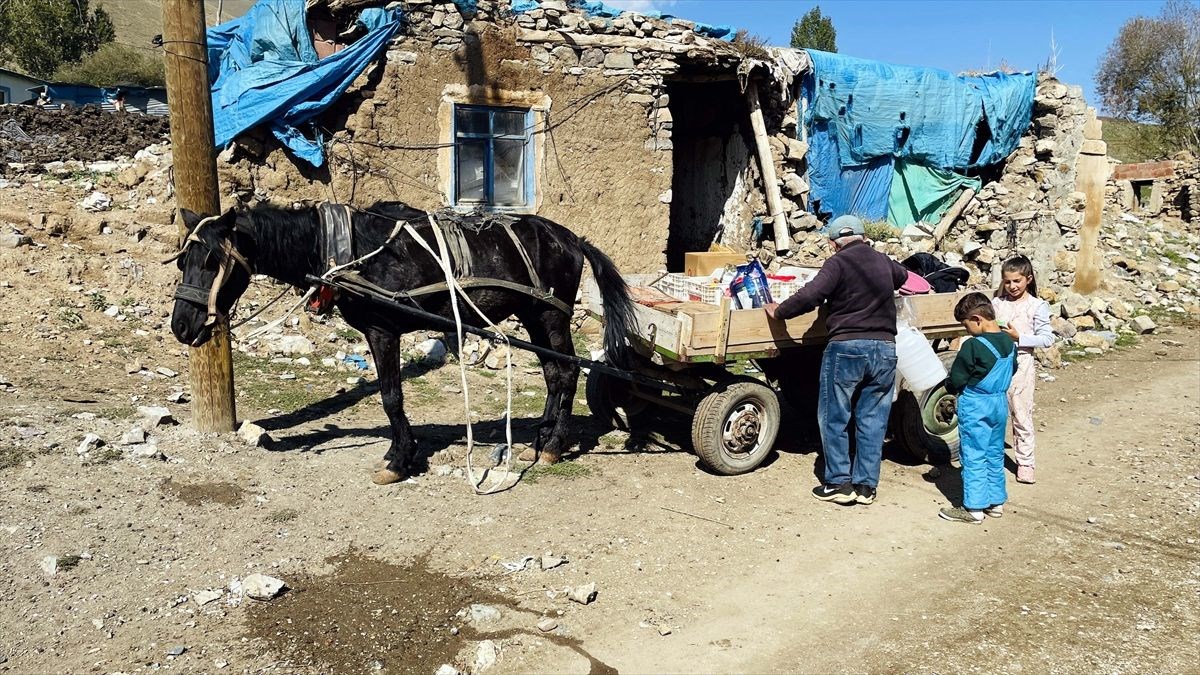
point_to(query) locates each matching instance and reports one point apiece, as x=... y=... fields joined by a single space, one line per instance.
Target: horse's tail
x=618 y=305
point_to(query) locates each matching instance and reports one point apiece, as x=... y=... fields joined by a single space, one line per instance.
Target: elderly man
x=857 y=286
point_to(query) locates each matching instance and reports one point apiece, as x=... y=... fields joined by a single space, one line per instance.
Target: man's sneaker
x=996 y=511
x=960 y=515
x=864 y=494
x=838 y=494
x=1025 y=474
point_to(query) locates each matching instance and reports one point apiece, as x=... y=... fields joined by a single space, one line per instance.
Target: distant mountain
x=137 y=21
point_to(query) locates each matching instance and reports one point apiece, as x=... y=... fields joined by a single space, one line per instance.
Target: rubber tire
x=908 y=426
x=611 y=402
x=709 y=421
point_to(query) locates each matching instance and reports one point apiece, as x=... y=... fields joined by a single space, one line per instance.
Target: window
x=491 y=156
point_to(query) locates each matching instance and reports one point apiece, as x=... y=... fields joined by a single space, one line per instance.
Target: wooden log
x=210 y=367
x=783 y=239
x=613 y=41
x=951 y=215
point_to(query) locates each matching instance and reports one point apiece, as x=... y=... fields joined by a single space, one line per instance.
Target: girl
x=1026 y=319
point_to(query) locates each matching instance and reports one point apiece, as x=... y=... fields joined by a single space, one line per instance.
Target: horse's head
x=216 y=271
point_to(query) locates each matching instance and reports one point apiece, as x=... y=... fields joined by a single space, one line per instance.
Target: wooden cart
x=736 y=416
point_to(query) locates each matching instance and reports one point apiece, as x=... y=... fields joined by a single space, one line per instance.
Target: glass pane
x=509 y=173
x=470 y=121
x=471 y=174
x=509 y=123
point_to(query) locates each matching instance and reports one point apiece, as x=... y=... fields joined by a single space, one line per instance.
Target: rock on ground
x=262 y=587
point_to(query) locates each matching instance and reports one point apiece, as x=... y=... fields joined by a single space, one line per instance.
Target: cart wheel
x=735 y=427
x=611 y=400
x=927 y=424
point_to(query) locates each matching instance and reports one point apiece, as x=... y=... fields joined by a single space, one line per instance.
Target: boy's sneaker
x=838 y=494
x=996 y=511
x=864 y=494
x=1025 y=474
x=960 y=515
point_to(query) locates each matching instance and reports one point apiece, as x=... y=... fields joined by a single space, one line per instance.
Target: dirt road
x=131 y=557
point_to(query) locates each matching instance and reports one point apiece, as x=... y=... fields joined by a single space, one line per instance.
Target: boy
x=980 y=376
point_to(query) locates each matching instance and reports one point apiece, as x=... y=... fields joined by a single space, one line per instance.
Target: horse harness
x=337 y=246
x=207 y=297
x=336 y=234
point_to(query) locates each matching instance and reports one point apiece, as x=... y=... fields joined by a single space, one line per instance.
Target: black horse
x=221 y=253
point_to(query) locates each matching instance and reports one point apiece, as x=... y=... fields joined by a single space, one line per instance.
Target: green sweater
x=975 y=360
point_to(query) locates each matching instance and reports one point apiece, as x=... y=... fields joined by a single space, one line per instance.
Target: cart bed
x=693 y=332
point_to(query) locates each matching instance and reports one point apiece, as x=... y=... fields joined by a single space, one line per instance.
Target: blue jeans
x=868 y=368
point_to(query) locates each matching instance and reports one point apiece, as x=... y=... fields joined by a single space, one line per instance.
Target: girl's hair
x=1021 y=265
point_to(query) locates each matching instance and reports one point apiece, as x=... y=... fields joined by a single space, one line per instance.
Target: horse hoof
x=528 y=455
x=386 y=477
x=548 y=458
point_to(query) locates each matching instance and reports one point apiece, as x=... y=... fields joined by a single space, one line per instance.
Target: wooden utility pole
x=190 y=101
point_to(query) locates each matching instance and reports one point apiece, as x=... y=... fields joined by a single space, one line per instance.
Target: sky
x=954 y=35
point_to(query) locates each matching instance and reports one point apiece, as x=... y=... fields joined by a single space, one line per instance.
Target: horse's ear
x=190 y=218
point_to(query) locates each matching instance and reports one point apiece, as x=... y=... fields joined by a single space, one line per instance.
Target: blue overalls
x=982 y=419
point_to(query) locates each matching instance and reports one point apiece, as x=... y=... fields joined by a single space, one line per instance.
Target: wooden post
x=951 y=215
x=1092 y=171
x=190 y=100
x=723 y=330
x=783 y=239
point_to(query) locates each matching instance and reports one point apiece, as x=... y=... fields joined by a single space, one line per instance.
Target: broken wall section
x=1033 y=206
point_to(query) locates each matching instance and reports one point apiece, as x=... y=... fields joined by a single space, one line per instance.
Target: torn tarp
x=264 y=70
x=922 y=114
x=859 y=190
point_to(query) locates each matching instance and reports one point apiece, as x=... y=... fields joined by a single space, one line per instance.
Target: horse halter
x=207 y=297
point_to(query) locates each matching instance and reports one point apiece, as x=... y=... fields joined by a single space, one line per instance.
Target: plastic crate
x=674 y=285
x=702 y=289
x=692 y=289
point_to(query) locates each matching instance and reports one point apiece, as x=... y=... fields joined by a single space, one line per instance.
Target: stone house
x=633 y=131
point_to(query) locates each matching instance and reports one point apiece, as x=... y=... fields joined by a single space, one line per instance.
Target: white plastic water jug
x=918 y=364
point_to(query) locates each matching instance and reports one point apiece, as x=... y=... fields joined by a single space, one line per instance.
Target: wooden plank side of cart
x=690 y=332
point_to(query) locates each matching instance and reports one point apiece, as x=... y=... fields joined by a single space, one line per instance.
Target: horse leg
x=552 y=329
x=385 y=347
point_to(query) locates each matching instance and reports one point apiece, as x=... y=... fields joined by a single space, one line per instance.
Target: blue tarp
x=860 y=190
x=263 y=69
x=864 y=115
x=925 y=115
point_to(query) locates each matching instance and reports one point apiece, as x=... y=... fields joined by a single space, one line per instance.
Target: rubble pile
x=30 y=136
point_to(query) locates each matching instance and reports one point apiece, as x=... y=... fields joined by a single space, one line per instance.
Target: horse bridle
x=207 y=297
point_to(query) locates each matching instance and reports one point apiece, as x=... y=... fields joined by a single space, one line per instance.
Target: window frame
x=528 y=190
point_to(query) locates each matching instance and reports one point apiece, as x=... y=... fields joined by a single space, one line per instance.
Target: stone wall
x=1180 y=193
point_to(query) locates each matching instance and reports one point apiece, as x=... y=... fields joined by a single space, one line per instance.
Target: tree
x=41 y=35
x=814 y=31
x=1151 y=73
x=114 y=64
